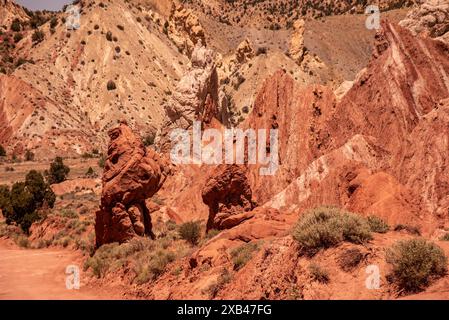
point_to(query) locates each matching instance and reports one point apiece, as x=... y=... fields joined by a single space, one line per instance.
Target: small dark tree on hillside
x=58 y=171
x=53 y=22
x=111 y=85
x=38 y=36
x=2 y=151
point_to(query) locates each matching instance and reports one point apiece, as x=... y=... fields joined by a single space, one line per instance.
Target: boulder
x=228 y=195
x=131 y=175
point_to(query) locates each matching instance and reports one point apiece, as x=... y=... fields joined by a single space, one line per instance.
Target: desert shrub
x=102 y=161
x=318 y=273
x=29 y=156
x=20 y=61
x=38 y=36
x=16 y=26
x=17 y=37
x=445 y=237
x=410 y=229
x=160 y=261
x=70 y=214
x=120 y=27
x=100 y=262
x=149 y=139
x=2 y=151
x=23 y=242
x=53 y=22
x=152 y=267
x=415 y=263
x=350 y=258
x=212 y=233
x=241 y=255
x=109 y=36
x=325 y=227
x=147 y=258
x=90 y=172
x=261 y=50
x=58 y=171
x=190 y=231
x=87 y=155
x=224 y=278
x=378 y=225
x=111 y=85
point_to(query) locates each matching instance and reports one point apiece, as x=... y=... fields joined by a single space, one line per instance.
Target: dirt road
x=41 y=274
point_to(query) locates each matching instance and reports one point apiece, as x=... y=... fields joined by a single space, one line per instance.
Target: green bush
x=241 y=255
x=415 y=263
x=190 y=231
x=38 y=36
x=326 y=227
x=111 y=85
x=58 y=171
x=378 y=225
x=16 y=26
x=5 y=200
x=20 y=204
x=53 y=22
x=17 y=37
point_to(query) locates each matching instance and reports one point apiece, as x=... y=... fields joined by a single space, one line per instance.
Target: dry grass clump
x=415 y=263
x=326 y=227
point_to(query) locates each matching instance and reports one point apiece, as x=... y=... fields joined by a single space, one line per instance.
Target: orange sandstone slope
x=328 y=148
x=382 y=150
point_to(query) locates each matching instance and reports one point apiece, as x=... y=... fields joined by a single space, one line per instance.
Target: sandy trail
x=40 y=275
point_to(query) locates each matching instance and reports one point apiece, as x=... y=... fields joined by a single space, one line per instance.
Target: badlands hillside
x=362 y=116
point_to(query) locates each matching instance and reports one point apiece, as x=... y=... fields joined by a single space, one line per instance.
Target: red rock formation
x=406 y=81
x=132 y=174
x=381 y=127
x=195 y=97
x=228 y=195
x=430 y=18
x=299 y=117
